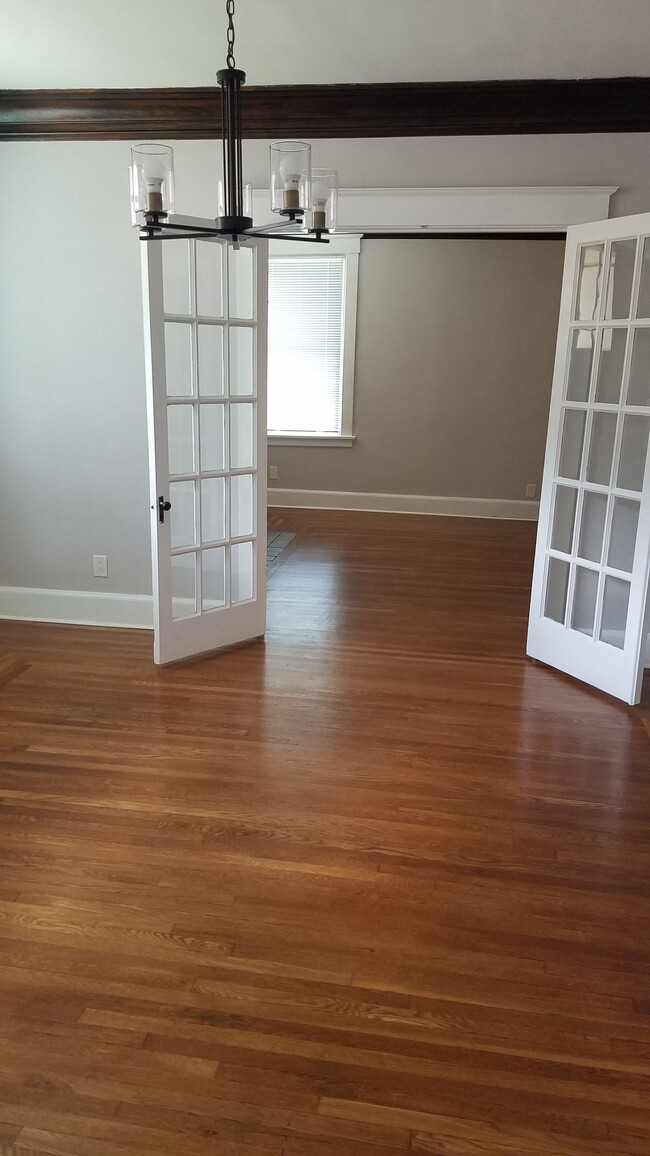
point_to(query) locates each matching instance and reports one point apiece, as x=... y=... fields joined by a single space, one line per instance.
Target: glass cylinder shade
x=290 y=176
x=152 y=181
x=324 y=199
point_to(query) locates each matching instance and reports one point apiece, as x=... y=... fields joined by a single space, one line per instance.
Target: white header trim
x=479 y=209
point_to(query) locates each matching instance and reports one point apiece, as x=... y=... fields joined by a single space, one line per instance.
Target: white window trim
x=339 y=245
x=318 y=441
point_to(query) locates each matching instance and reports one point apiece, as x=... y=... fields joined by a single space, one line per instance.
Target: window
x=312 y=322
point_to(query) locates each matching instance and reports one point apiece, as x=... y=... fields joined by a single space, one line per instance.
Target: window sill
x=317 y=441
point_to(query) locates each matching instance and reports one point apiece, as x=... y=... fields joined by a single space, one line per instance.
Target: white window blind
x=305 y=344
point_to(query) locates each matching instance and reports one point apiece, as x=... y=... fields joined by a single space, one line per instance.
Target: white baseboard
x=405 y=504
x=80 y=607
x=90 y=608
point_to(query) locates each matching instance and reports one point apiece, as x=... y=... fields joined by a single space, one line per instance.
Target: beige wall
x=455 y=347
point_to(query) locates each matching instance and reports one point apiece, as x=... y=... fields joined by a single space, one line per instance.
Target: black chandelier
x=305 y=199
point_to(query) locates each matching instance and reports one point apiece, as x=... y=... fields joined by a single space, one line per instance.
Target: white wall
x=73 y=468
x=73 y=460
x=95 y=44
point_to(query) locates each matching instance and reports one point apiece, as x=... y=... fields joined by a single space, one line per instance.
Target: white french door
x=205 y=306
x=590 y=606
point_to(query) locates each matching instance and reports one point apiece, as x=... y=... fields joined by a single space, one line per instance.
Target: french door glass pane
x=241 y=283
x=182 y=517
x=241 y=361
x=212 y=438
x=580 y=362
x=638 y=390
x=573 y=432
x=180 y=438
x=621 y=271
x=213 y=509
x=622 y=538
x=615 y=603
x=213 y=578
x=241 y=571
x=557 y=582
x=209 y=294
x=610 y=366
x=643 y=304
x=242 y=505
x=178 y=359
x=601 y=448
x=634 y=446
x=563 y=518
x=592 y=526
x=585 y=594
x=589 y=282
x=176 y=278
x=210 y=350
x=242 y=448
x=183 y=585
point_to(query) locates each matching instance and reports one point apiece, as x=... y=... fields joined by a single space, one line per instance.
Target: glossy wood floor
x=377 y=886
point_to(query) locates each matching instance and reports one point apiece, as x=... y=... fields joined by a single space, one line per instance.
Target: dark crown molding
x=621 y=104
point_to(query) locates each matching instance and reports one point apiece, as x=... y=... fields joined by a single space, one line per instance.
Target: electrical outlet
x=273 y=471
x=100 y=566
x=531 y=489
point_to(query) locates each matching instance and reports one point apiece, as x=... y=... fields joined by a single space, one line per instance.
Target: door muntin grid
x=211 y=425
x=602 y=450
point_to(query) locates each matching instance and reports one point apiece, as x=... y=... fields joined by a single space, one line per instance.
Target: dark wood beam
x=621 y=104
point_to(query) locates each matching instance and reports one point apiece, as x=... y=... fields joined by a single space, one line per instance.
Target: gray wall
x=454 y=360
x=72 y=411
x=73 y=449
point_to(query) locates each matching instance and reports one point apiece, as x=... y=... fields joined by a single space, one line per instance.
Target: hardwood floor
x=377 y=886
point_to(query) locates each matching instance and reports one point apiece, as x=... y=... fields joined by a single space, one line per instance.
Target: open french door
x=205 y=307
x=590 y=610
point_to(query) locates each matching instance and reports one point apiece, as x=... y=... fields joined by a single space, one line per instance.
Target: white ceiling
x=168 y=43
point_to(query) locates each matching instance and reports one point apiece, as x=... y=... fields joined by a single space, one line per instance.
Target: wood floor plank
x=379 y=885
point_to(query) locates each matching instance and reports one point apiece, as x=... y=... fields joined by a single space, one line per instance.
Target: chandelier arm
x=313 y=238
x=252 y=234
x=281 y=230
x=271 y=227
x=195 y=230
x=180 y=236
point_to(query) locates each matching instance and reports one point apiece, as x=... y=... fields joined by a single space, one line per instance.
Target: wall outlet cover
x=100 y=566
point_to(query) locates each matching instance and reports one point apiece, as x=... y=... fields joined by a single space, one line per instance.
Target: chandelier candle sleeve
x=152 y=180
x=290 y=177
x=324 y=195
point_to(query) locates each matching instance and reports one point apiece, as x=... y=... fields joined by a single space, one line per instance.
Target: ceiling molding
x=621 y=104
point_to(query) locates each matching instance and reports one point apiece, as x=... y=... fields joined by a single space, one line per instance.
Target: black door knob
x=162 y=507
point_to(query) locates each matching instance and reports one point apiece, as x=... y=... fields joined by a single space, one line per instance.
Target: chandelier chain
x=230 y=12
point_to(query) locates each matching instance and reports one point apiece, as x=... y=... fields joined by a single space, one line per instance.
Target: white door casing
x=205 y=308
x=589 y=604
